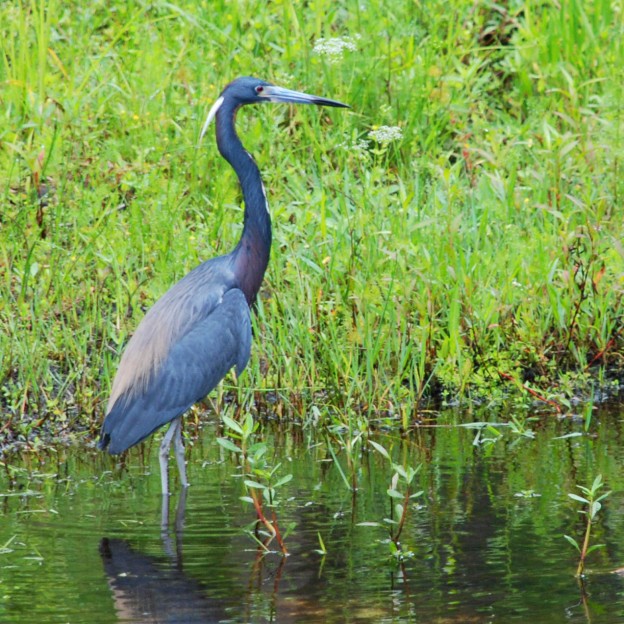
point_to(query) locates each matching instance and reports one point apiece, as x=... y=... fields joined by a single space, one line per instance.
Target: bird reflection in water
x=146 y=589
x=151 y=589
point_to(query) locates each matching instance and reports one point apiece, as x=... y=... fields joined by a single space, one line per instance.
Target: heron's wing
x=194 y=365
x=178 y=311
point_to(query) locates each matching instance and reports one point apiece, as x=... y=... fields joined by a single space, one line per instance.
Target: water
x=83 y=541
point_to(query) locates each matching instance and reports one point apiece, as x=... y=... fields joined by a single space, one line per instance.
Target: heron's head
x=249 y=90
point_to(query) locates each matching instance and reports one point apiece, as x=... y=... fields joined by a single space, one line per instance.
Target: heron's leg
x=178 y=448
x=163 y=456
x=164 y=522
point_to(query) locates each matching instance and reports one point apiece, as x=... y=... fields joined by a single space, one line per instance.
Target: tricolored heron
x=201 y=327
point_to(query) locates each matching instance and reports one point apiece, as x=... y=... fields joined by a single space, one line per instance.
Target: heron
x=201 y=327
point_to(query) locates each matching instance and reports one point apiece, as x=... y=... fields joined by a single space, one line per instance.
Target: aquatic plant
x=400 y=497
x=592 y=505
x=261 y=477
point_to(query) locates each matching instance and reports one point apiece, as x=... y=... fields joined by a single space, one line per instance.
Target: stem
x=602 y=353
x=261 y=516
x=273 y=527
x=395 y=539
x=532 y=392
x=278 y=535
x=581 y=565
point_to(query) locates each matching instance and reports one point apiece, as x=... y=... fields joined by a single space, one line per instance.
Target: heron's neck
x=252 y=252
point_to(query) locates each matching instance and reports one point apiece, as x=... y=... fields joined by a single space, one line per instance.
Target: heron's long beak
x=279 y=94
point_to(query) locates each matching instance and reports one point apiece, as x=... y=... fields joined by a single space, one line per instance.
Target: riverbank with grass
x=457 y=236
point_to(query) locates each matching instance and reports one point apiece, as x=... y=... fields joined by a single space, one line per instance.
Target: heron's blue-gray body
x=184 y=346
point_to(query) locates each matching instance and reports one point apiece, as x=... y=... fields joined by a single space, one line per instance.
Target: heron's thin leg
x=163 y=456
x=180 y=512
x=164 y=524
x=164 y=514
x=178 y=448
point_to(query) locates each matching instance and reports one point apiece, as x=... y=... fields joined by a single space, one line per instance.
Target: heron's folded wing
x=193 y=367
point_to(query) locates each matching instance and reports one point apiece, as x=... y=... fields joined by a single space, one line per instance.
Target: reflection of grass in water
x=479 y=249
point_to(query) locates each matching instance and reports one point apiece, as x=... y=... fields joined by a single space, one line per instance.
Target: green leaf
x=257 y=451
x=322 y=550
x=228 y=445
x=400 y=470
x=493 y=430
x=575 y=434
x=595 y=547
x=249 y=425
x=411 y=473
x=230 y=423
x=594 y=508
x=274 y=470
x=573 y=542
x=283 y=480
x=380 y=449
x=597 y=483
x=580 y=499
x=395 y=494
x=254 y=484
x=312 y=265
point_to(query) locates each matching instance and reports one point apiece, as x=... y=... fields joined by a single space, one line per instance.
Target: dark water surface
x=81 y=540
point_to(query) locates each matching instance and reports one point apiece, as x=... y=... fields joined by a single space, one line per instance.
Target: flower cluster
x=386 y=134
x=333 y=48
x=357 y=148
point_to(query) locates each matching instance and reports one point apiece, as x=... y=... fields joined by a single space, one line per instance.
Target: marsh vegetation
x=457 y=237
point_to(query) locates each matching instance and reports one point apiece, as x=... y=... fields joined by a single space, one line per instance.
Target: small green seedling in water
x=400 y=496
x=593 y=505
x=238 y=431
x=518 y=425
x=260 y=482
x=587 y=417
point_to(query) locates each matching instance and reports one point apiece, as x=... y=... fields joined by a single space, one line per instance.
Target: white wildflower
x=358 y=148
x=333 y=48
x=386 y=134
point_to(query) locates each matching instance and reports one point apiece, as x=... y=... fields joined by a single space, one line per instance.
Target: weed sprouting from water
x=261 y=477
x=592 y=505
x=401 y=496
x=322 y=549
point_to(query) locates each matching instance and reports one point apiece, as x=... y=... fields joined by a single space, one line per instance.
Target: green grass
x=479 y=255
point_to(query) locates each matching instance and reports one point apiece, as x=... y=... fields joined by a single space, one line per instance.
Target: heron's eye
x=259 y=89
